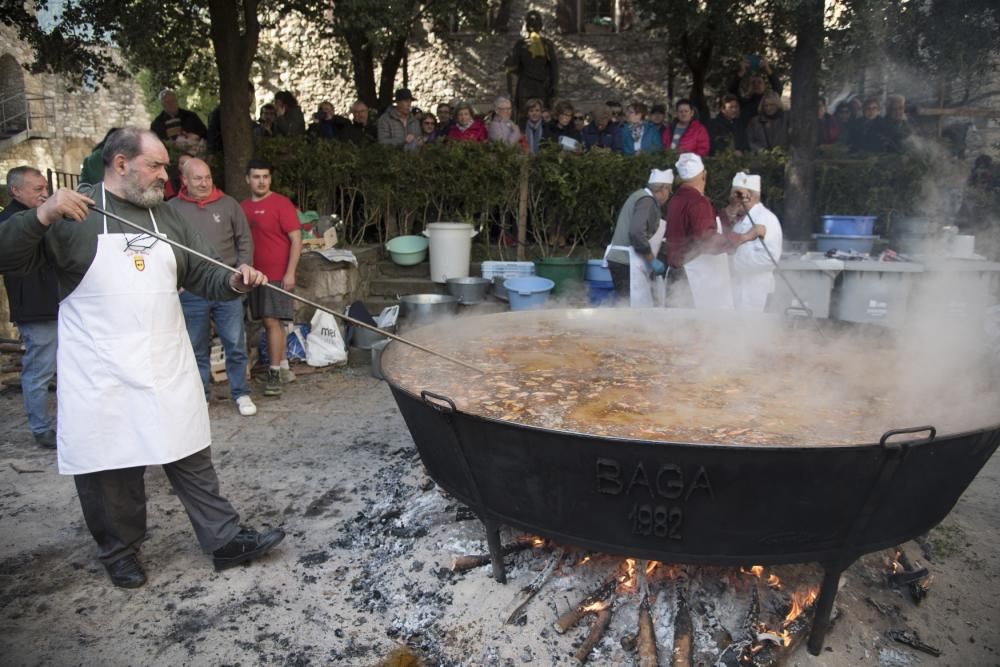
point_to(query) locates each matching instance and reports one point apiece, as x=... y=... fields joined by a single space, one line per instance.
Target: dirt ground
x=365 y=568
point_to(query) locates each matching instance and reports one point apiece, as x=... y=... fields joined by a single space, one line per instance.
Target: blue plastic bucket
x=848 y=225
x=600 y=292
x=597 y=272
x=827 y=242
x=527 y=293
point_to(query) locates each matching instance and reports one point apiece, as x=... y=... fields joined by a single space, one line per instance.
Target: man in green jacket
x=129 y=392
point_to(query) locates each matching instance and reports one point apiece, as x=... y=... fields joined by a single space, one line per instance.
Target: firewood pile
x=11 y=352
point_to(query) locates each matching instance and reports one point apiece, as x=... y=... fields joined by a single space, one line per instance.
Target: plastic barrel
x=451 y=247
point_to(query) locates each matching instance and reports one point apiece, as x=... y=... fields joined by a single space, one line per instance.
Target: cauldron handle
x=884 y=440
x=435 y=401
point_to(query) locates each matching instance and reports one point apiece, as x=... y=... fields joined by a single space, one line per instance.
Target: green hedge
x=573 y=199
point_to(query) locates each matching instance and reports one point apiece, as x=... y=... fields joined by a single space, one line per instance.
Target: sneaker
x=46 y=439
x=272 y=385
x=287 y=376
x=246 y=407
x=247 y=545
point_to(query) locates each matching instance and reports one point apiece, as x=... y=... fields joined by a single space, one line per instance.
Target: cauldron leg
x=824 y=605
x=496 y=551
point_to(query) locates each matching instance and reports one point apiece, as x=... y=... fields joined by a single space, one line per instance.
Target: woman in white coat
x=752 y=270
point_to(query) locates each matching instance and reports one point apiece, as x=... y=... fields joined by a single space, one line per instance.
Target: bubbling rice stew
x=650 y=377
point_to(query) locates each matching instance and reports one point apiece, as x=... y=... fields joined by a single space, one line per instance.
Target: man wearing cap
x=397 y=126
x=636 y=271
x=698 y=272
x=752 y=266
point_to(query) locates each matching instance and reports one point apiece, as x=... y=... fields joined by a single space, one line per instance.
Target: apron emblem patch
x=139 y=261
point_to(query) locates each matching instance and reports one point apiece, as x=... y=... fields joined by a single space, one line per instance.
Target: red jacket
x=691 y=228
x=475 y=132
x=694 y=140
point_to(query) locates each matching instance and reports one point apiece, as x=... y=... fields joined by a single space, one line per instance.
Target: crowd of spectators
x=751 y=117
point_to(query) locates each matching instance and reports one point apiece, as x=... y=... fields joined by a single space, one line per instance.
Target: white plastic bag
x=324 y=345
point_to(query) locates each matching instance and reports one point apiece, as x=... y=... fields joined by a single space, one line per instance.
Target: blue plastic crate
x=848 y=225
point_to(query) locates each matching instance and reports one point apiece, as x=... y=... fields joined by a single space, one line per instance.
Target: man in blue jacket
x=34 y=308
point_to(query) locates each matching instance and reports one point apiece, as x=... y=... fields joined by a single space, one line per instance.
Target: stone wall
x=78 y=119
x=593 y=67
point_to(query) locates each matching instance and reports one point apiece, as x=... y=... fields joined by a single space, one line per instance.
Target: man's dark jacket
x=34 y=297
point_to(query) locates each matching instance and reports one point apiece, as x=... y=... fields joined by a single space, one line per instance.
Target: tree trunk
x=387 y=78
x=363 y=64
x=234 y=52
x=800 y=187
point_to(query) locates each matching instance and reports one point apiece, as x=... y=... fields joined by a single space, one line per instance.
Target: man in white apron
x=752 y=268
x=698 y=272
x=636 y=271
x=129 y=393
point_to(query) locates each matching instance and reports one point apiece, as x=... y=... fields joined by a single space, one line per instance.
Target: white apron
x=752 y=268
x=645 y=290
x=708 y=277
x=129 y=393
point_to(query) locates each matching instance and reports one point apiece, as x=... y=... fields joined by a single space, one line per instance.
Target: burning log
x=597 y=630
x=472 y=561
x=647 y=634
x=740 y=652
x=776 y=646
x=683 y=650
x=570 y=618
x=905 y=573
x=526 y=594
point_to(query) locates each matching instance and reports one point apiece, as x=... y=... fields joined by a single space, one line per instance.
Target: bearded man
x=129 y=392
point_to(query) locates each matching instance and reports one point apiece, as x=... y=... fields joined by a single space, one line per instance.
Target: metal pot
x=499 y=291
x=695 y=503
x=468 y=290
x=415 y=307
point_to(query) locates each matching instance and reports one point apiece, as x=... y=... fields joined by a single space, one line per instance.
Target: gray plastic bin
x=955 y=288
x=812 y=277
x=874 y=292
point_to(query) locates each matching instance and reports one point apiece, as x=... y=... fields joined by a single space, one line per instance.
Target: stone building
x=46 y=124
x=602 y=55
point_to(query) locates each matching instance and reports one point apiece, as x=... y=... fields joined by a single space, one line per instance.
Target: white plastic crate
x=492 y=269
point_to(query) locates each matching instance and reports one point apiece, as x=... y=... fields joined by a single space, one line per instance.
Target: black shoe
x=127 y=572
x=46 y=439
x=247 y=545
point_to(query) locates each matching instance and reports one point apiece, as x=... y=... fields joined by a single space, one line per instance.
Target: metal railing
x=26 y=112
x=61 y=179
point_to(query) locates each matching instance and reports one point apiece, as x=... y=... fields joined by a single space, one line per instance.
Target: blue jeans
x=228 y=319
x=38 y=367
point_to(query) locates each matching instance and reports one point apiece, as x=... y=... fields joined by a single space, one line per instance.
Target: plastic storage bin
x=826 y=242
x=848 y=225
x=451 y=248
x=528 y=293
x=597 y=271
x=956 y=289
x=874 y=292
x=492 y=269
x=813 y=278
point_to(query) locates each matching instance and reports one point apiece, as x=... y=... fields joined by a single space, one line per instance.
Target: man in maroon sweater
x=698 y=271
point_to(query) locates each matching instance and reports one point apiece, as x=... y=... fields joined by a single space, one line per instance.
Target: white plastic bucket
x=451 y=248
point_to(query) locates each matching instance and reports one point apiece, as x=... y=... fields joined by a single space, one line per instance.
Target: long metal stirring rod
x=777 y=269
x=346 y=318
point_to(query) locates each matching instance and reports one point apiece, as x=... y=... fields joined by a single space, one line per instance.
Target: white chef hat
x=665 y=176
x=747 y=181
x=689 y=165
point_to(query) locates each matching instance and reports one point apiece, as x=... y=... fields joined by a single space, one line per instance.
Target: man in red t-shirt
x=277 y=244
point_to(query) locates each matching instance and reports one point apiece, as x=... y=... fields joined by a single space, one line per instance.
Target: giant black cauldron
x=695 y=503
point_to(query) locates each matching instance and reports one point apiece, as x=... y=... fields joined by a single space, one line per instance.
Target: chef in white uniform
x=129 y=393
x=632 y=257
x=752 y=270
